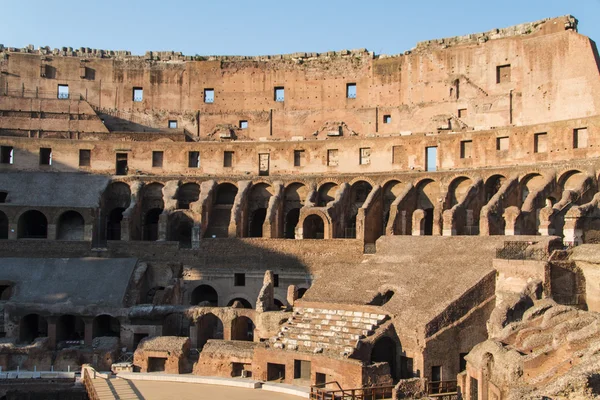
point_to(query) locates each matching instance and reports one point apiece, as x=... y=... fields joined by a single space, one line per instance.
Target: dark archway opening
x=384 y=350
x=176 y=324
x=209 y=326
x=31 y=327
x=428 y=222
x=291 y=221
x=204 y=295
x=3 y=226
x=256 y=223
x=382 y=298
x=32 y=225
x=113 y=224
x=313 y=227
x=70 y=226
x=151 y=224
x=301 y=292
x=106 y=325
x=187 y=194
x=180 y=227
x=242 y=328
x=5 y=292
x=239 y=302
x=69 y=327
x=226 y=193
x=278 y=304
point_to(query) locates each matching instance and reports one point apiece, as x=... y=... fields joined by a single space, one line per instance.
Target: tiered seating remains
x=319 y=330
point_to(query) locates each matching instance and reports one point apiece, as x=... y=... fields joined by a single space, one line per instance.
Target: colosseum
x=422 y=225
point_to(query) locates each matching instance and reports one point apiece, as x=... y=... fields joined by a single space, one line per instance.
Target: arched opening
x=187 y=194
x=428 y=192
x=242 y=328
x=313 y=227
x=31 y=327
x=458 y=190
x=180 y=229
x=391 y=190
x=278 y=304
x=3 y=226
x=256 y=222
x=382 y=298
x=301 y=292
x=5 y=292
x=69 y=327
x=226 y=193
x=327 y=193
x=32 y=225
x=70 y=226
x=113 y=224
x=239 y=302
x=492 y=186
x=291 y=221
x=428 y=222
x=530 y=183
x=175 y=324
x=209 y=326
x=106 y=325
x=358 y=195
x=151 y=224
x=205 y=296
x=384 y=350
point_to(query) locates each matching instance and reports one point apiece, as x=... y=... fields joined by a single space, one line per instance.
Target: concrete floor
x=153 y=390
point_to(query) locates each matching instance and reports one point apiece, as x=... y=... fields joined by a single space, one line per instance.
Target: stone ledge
x=206 y=380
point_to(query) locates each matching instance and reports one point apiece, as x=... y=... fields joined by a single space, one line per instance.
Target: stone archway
x=71 y=226
x=204 y=295
x=242 y=328
x=313 y=227
x=32 y=225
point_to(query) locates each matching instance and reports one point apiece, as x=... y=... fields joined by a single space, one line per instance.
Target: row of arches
x=68 y=327
x=206 y=296
x=33 y=224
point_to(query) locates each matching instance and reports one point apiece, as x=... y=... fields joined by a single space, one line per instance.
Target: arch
x=572 y=180
x=151 y=224
x=187 y=194
x=278 y=304
x=326 y=194
x=313 y=227
x=358 y=195
x=204 y=295
x=5 y=291
x=291 y=221
x=106 y=325
x=242 y=328
x=257 y=219
x=180 y=229
x=226 y=193
x=493 y=185
x=530 y=183
x=457 y=190
x=208 y=326
x=117 y=194
x=384 y=350
x=31 y=327
x=428 y=191
x=113 y=223
x=175 y=324
x=239 y=302
x=301 y=292
x=70 y=226
x=69 y=327
x=3 y=226
x=295 y=192
x=391 y=190
x=32 y=224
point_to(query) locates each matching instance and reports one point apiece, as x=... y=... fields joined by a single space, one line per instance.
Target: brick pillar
x=87 y=232
x=51 y=232
x=12 y=231
x=52 y=331
x=125 y=231
x=89 y=331
x=162 y=226
x=196 y=236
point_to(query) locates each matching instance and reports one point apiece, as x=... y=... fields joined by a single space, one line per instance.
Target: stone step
x=316 y=338
x=326 y=330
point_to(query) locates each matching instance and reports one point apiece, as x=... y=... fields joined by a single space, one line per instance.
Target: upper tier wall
x=552 y=75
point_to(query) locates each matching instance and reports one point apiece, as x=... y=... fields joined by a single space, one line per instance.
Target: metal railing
x=40 y=94
x=89 y=385
x=442 y=387
x=319 y=392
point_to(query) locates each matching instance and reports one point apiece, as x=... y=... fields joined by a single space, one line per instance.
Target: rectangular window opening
x=239 y=279
x=302 y=370
x=580 y=138
x=332 y=158
x=462 y=365
x=157 y=159
x=503 y=73
x=228 y=159
x=63 y=91
x=276 y=280
x=6 y=154
x=121 y=164
x=397 y=154
x=45 y=156
x=351 y=90
x=387 y=119
x=298 y=158
x=502 y=143
x=431 y=158
x=466 y=148
x=462 y=112
x=540 y=142
x=85 y=158
x=194 y=159
x=279 y=93
x=263 y=164
x=172 y=124
x=209 y=95
x=243 y=124
x=138 y=94
x=365 y=156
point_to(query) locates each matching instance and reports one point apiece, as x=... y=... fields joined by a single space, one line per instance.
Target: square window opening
x=462 y=113
x=387 y=119
x=45 y=156
x=85 y=158
x=138 y=94
x=228 y=159
x=332 y=158
x=503 y=73
x=279 y=93
x=63 y=91
x=209 y=95
x=6 y=154
x=365 y=156
x=194 y=159
x=302 y=369
x=239 y=279
x=580 y=138
x=351 y=90
x=172 y=124
x=540 y=142
x=502 y=143
x=157 y=159
x=243 y=124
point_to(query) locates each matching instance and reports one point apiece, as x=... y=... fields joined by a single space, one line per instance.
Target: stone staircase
x=319 y=330
x=114 y=388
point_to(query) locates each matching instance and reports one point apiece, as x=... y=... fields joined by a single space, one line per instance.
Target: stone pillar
x=194 y=336
x=12 y=231
x=87 y=232
x=292 y=295
x=546 y=217
x=572 y=229
x=448 y=227
x=512 y=217
x=125 y=229
x=52 y=332
x=162 y=227
x=89 y=331
x=51 y=232
x=417 y=222
x=266 y=297
x=196 y=236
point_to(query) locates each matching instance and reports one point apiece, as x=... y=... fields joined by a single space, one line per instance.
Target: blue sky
x=269 y=27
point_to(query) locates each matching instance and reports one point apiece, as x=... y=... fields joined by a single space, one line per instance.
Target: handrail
x=89 y=385
x=442 y=387
x=365 y=393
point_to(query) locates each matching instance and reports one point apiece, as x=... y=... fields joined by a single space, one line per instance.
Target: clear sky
x=255 y=27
